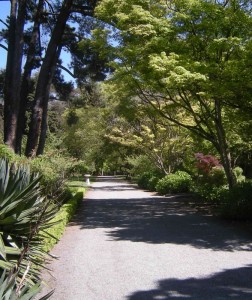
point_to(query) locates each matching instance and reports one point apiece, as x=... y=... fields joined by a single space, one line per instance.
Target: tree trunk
x=43 y=132
x=26 y=79
x=44 y=79
x=223 y=146
x=42 y=138
x=13 y=71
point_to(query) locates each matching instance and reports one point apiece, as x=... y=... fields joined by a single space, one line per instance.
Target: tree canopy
x=178 y=71
x=189 y=61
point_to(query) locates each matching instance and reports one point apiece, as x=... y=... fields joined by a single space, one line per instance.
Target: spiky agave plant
x=24 y=216
x=8 y=289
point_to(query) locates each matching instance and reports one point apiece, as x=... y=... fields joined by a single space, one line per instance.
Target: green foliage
x=24 y=216
x=210 y=186
x=143 y=180
x=79 y=168
x=6 y=152
x=212 y=181
x=237 y=202
x=139 y=164
x=153 y=183
x=60 y=221
x=54 y=168
x=238 y=172
x=179 y=182
x=72 y=117
x=209 y=193
x=141 y=128
x=148 y=180
x=55 y=119
x=84 y=139
x=216 y=177
x=185 y=60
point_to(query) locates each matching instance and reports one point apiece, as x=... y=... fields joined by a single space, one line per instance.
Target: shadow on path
x=229 y=284
x=159 y=220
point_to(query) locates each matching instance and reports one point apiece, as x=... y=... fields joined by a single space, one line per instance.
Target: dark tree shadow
x=229 y=284
x=160 y=220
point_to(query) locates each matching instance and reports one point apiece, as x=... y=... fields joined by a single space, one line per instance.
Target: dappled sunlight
x=159 y=220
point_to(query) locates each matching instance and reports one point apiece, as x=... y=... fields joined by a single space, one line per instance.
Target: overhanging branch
x=66 y=70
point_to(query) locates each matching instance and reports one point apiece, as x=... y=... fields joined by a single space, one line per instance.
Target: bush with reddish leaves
x=210 y=170
x=212 y=179
x=205 y=163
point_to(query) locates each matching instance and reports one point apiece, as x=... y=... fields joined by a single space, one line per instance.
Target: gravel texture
x=125 y=243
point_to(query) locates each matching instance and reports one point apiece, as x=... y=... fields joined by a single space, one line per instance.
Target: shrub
x=216 y=177
x=237 y=202
x=64 y=215
x=208 y=192
x=153 y=183
x=143 y=180
x=178 y=182
x=148 y=180
x=54 y=168
x=238 y=172
x=205 y=163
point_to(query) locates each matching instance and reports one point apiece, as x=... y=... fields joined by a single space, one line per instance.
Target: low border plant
x=179 y=182
x=60 y=221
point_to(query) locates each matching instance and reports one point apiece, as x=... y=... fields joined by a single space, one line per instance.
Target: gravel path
x=125 y=243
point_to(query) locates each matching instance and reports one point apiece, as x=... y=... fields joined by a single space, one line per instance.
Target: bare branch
x=1 y=21
x=4 y=47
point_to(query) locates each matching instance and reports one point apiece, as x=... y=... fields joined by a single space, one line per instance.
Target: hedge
x=64 y=215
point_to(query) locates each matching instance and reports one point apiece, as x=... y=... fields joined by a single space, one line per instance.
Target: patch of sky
x=83 y=28
x=4 y=12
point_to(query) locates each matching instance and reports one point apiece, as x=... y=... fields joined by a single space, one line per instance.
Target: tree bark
x=44 y=79
x=26 y=79
x=222 y=146
x=13 y=71
x=42 y=138
x=43 y=132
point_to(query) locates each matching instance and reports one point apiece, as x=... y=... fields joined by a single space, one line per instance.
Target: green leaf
x=5 y=265
x=47 y=296
x=12 y=251
x=2 y=248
